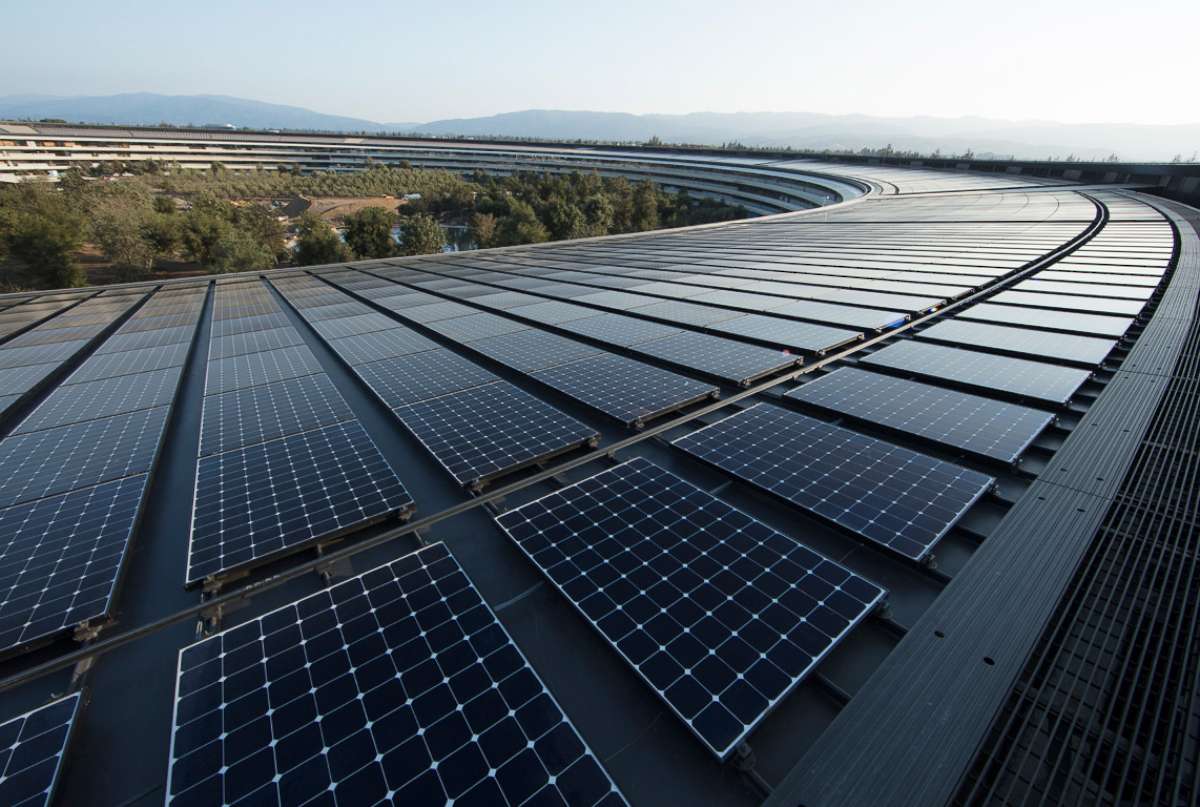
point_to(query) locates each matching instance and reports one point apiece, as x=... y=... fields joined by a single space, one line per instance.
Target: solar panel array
x=283 y=462
x=73 y=475
x=397 y=685
x=32 y=748
x=720 y=614
x=477 y=426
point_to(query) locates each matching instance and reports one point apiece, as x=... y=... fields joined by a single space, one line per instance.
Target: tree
x=564 y=220
x=598 y=211
x=238 y=251
x=483 y=229
x=369 y=232
x=645 y=206
x=421 y=235
x=317 y=243
x=262 y=225
x=164 y=204
x=520 y=225
x=119 y=236
x=41 y=230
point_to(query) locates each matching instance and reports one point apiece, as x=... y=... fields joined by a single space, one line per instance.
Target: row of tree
x=217 y=220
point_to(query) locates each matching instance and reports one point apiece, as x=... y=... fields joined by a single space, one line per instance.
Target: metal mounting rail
x=223 y=601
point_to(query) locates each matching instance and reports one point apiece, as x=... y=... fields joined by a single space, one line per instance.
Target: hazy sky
x=396 y=61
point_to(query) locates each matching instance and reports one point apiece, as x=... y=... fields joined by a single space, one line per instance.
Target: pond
x=458 y=237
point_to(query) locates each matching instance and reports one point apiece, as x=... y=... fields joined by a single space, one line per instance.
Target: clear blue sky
x=396 y=61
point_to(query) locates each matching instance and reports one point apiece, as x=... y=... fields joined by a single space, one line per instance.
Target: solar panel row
x=283 y=462
x=477 y=426
x=32 y=748
x=74 y=475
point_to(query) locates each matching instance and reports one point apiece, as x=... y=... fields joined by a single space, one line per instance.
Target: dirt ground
x=332 y=208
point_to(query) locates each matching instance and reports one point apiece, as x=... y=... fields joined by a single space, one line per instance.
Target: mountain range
x=805 y=130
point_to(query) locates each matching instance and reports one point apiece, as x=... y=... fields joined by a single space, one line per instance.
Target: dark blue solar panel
x=720 y=614
x=32 y=748
x=983 y=426
x=897 y=498
x=60 y=558
x=398 y=686
x=267 y=499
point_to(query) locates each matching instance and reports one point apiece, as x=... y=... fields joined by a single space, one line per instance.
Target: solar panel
x=97 y=399
x=685 y=313
x=257 y=414
x=553 y=312
x=353 y=326
x=720 y=614
x=1086 y=350
x=896 y=498
x=60 y=558
x=476 y=326
x=59 y=460
x=261 y=501
x=39 y=354
x=486 y=431
x=130 y=362
x=396 y=341
x=1070 y=321
x=397 y=686
x=1066 y=302
x=239 y=344
x=261 y=322
x=260 y=368
x=617 y=329
x=443 y=309
x=134 y=341
x=717 y=356
x=1085 y=289
x=531 y=349
x=983 y=426
x=1030 y=379
x=628 y=390
x=789 y=332
x=19 y=380
x=32 y=747
x=403 y=380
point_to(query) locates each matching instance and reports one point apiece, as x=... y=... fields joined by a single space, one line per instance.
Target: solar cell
x=397 y=686
x=32 y=747
x=983 y=426
x=531 y=349
x=261 y=501
x=19 y=380
x=720 y=614
x=261 y=322
x=1030 y=379
x=98 y=399
x=268 y=411
x=239 y=344
x=443 y=309
x=404 y=380
x=52 y=461
x=860 y=318
x=396 y=341
x=60 y=558
x=482 y=432
x=717 y=356
x=1069 y=321
x=260 y=368
x=553 y=312
x=628 y=390
x=896 y=498
x=1085 y=289
x=1085 y=350
x=685 y=313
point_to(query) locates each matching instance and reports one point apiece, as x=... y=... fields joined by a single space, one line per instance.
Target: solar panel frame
x=714 y=610
x=754 y=444
x=33 y=746
x=398 y=684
